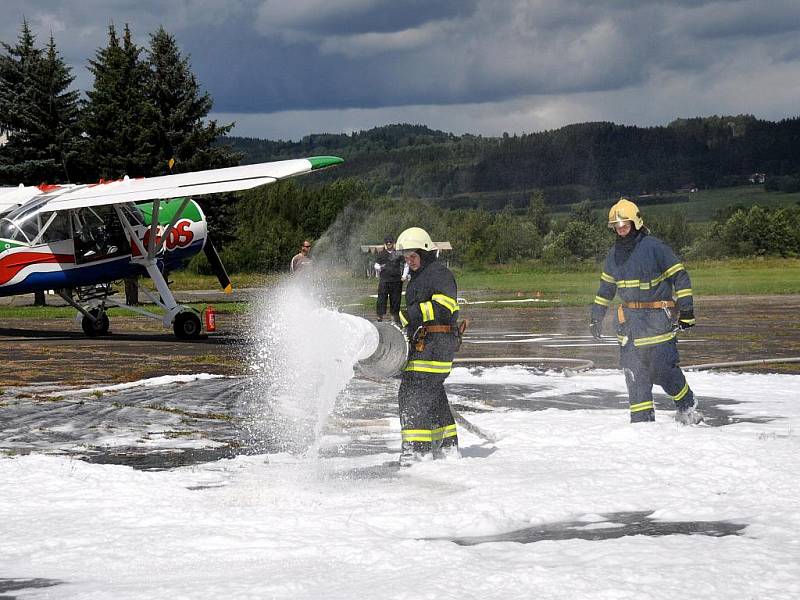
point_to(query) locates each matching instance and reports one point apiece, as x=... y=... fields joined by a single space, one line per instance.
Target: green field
x=702 y=205
x=711 y=278
x=574 y=287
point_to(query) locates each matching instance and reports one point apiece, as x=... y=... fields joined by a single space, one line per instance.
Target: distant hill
x=586 y=160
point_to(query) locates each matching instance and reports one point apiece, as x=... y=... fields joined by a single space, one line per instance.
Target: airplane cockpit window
x=56 y=226
x=134 y=215
x=5 y=211
x=97 y=233
x=10 y=231
x=24 y=223
x=24 y=212
x=30 y=227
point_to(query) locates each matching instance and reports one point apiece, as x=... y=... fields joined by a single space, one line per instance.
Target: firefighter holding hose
x=653 y=287
x=431 y=322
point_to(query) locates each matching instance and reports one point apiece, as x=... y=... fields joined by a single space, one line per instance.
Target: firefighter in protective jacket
x=430 y=320
x=652 y=285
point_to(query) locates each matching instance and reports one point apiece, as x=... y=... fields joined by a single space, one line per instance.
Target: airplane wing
x=213 y=181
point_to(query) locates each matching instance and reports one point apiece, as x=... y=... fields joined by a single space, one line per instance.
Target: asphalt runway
x=55 y=351
x=198 y=421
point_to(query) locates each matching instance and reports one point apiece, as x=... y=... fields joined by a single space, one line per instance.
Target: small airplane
x=78 y=239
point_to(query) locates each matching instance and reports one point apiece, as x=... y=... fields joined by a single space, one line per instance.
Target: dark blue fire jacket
x=652 y=273
x=431 y=300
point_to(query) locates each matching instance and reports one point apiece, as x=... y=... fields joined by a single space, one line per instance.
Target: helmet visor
x=618 y=221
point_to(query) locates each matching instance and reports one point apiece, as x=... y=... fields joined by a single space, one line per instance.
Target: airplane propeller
x=216 y=265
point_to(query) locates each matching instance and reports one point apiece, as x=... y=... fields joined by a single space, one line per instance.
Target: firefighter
x=430 y=320
x=653 y=286
x=389 y=266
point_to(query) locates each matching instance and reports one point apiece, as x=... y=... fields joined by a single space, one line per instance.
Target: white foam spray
x=302 y=357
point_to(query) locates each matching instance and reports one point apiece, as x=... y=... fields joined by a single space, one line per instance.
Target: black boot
x=643 y=416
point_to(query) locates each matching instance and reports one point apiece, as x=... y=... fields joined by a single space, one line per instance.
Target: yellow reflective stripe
x=646 y=285
x=672 y=270
x=449 y=431
x=429 y=366
x=628 y=283
x=667 y=274
x=443 y=432
x=416 y=435
x=601 y=301
x=656 y=339
x=642 y=406
x=403 y=319
x=608 y=278
x=428 y=435
x=446 y=301
x=426 y=308
x=682 y=393
x=688 y=321
x=683 y=293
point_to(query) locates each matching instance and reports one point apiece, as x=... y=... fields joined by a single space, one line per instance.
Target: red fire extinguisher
x=210 y=314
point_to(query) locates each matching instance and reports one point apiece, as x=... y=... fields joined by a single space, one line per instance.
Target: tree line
x=344 y=215
x=569 y=164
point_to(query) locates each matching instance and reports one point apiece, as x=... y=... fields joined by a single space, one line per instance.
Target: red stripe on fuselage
x=14 y=263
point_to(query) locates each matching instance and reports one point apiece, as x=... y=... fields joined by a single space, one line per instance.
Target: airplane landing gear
x=98 y=325
x=186 y=326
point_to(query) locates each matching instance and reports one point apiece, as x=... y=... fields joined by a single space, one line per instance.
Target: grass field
x=573 y=287
x=701 y=206
x=713 y=278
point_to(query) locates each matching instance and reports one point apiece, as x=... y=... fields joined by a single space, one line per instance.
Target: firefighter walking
x=430 y=320
x=652 y=285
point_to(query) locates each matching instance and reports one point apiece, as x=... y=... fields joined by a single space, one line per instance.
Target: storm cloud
x=285 y=69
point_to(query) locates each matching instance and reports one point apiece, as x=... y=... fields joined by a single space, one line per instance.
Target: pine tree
x=62 y=111
x=183 y=133
x=118 y=119
x=38 y=112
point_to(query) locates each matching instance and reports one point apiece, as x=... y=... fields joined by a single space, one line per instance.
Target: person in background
x=651 y=283
x=301 y=260
x=430 y=319
x=389 y=267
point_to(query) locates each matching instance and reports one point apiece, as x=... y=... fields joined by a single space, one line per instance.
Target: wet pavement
x=57 y=351
x=199 y=421
x=178 y=424
x=609 y=526
x=18 y=585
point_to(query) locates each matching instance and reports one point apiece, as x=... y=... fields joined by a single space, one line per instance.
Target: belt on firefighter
x=656 y=304
x=665 y=304
x=437 y=328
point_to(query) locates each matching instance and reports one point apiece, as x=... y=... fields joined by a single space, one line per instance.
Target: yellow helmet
x=625 y=210
x=415 y=238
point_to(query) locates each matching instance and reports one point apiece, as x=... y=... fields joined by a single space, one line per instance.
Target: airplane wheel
x=187 y=326
x=98 y=327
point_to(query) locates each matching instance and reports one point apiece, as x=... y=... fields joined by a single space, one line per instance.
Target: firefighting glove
x=595 y=330
x=686 y=320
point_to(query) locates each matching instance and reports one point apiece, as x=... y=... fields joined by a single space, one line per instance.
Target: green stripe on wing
x=320 y=162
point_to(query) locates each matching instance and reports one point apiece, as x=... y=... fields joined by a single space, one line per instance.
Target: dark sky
x=286 y=68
